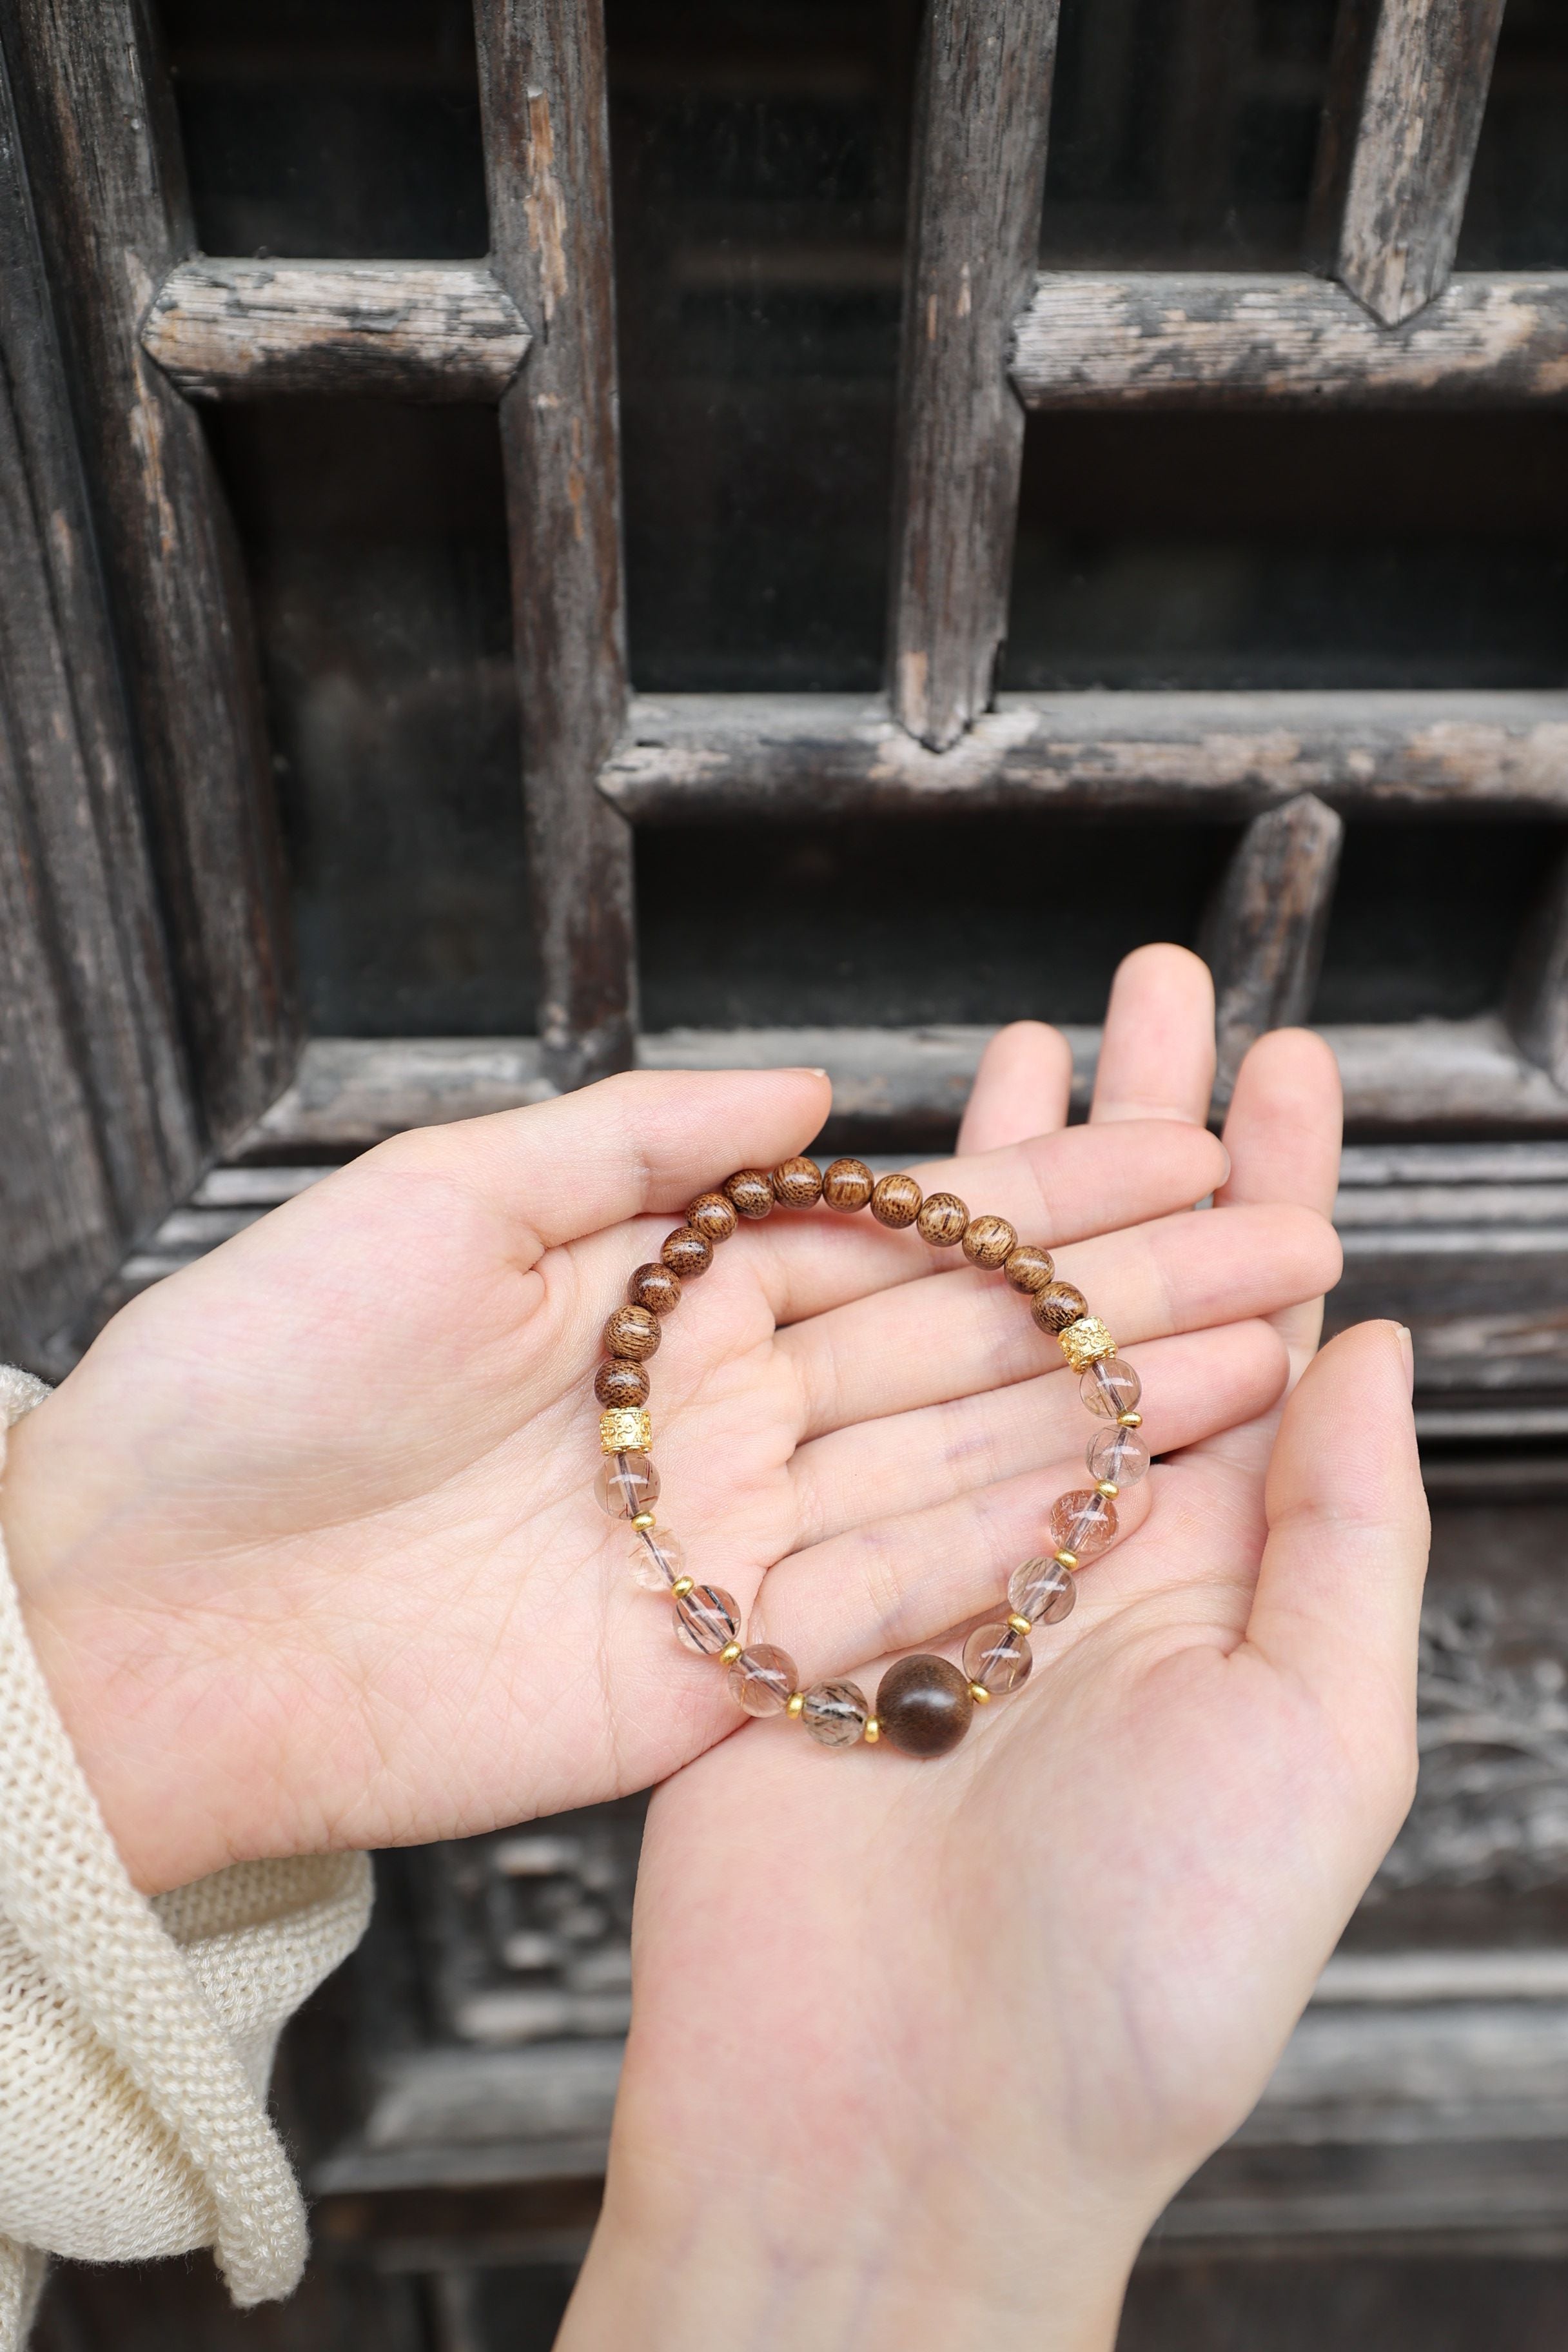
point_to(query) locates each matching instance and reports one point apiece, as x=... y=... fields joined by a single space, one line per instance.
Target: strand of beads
x=924 y=1703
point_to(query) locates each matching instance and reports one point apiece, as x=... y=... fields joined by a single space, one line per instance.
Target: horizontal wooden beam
x=702 y=757
x=1154 y=338
x=237 y=329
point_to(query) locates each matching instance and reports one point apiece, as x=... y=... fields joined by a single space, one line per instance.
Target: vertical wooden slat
x=103 y=156
x=541 y=80
x=1407 y=88
x=976 y=188
x=1537 y=1007
x=98 y=1131
x=1263 y=938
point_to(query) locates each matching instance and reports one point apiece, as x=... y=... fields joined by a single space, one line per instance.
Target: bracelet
x=924 y=1705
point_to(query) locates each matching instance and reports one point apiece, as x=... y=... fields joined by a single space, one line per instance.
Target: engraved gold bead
x=1129 y=1421
x=1086 y=1343
x=1107 y=1487
x=1065 y=1559
x=873 y=1732
x=979 y=1693
x=1020 y=1624
x=795 y=1703
x=681 y=1587
x=730 y=1652
x=626 y=1429
x=643 y=1522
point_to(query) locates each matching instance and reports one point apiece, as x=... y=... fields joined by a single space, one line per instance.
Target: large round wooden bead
x=712 y=1216
x=751 y=1190
x=895 y=1200
x=989 y=1241
x=1028 y=1269
x=923 y=1705
x=847 y=1185
x=686 y=1253
x=621 y=1384
x=655 y=1288
x=797 y=1183
x=942 y=1219
x=1057 y=1306
x=632 y=1331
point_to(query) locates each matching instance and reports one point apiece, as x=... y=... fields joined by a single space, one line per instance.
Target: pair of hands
x=309 y=1554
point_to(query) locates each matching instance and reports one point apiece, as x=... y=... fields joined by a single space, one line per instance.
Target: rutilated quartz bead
x=658 y=1558
x=1028 y=1269
x=707 y=1618
x=632 y=1331
x=619 y=1384
x=797 y=1183
x=835 y=1713
x=1057 y=1305
x=1110 y=1386
x=1118 y=1454
x=762 y=1679
x=942 y=1220
x=998 y=1657
x=989 y=1241
x=895 y=1200
x=626 y=1484
x=1043 y=1591
x=847 y=1185
x=686 y=1253
x=655 y=1287
x=923 y=1705
x=1083 y=1523
x=750 y=1192
x=712 y=1216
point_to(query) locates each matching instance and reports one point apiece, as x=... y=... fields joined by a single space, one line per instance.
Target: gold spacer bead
x=1065 y=1559
x=1107 y=1487
x=730 y=1652
x=643 y=1521
x=626 y=1429
x=979 y=1693
x=1129 y=1421
x=1020 y=1624
x=873 y=1732
x=1086 y=1343
x=681 y=1587
x=795 y=1703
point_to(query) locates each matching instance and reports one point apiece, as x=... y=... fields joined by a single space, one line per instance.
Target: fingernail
x=1408 y=1350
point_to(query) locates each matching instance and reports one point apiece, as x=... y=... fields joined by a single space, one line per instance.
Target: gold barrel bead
x=795 y=1703
x=873 y=1732
x=1129 y=1421
x=730 y=1652
x=626 y=1429
x=1020 y=1624
x=1086 y=1343
x=979 y=1693
x=681 y=1587
x=1065 y=1559
x=643 y=1521
x=1107 y=1487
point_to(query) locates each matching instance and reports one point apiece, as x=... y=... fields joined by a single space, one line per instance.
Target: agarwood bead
x=989 y=1241
x=797 y=1183
x=1028 y=1269
x=942 y=1219
x=620 y=1384
x=655 y=1288
x=1057 y=1306
x=686 y=1253
x=712 y=1216
x=923 y=1705
x=751 y=1190
x=895 y=1200
x=632 y=1331
x=847 y=1185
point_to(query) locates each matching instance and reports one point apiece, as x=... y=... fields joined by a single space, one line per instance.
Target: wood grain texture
x=541 y=80
x=976 y=187
x=98 y=1132
x=1408 y=86
x=1201 y=338
x=686 y=758
x=1263 y=938
x=102 y=152
x=240 y=329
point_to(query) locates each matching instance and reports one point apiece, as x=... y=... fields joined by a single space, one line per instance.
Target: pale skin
x=308 y=1550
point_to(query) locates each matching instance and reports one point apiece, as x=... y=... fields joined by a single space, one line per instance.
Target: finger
x=1157 y=1053
x=1022 y=1087
x=1338 y=1602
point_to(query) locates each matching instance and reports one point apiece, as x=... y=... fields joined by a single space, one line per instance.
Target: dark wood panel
x=241 y=329
x=977 y=183
x=1263 y=938
x=542 y=79
x=1538 y=993
x=1152 y=338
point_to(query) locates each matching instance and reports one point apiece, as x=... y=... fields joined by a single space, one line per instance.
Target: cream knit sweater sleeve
x=137 y=2035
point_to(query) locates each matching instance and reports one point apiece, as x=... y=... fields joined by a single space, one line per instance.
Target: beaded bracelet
x=924 y=1705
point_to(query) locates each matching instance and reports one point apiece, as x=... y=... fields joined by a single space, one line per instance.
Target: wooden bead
x=712 y=1216
x=923 y=1705
x=942 y=1219
x=632 y=1331
x=686 y=1253
x=620 y=1385
x=989 y=1241
x=797 y=1183
x=895 y=1200
x=847 y=1185
x=655 y=1288
x=1057 y=1306
x=1028 y=1269
x=751 y=1190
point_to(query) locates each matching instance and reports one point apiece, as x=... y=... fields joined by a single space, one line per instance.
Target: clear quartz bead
x=998 y=1657
x=658 y=1558
x=707 y=1620
x=763 y=1679
x=835 y=1713
x=1043 y=1591
x=1083 y=1523
x=1118 y=1454
x=1110 y=1386
x=627 y=1484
